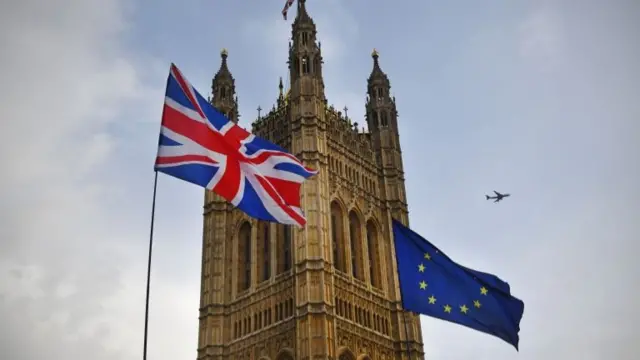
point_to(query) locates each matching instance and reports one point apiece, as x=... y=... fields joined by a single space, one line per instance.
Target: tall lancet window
x=355 y=237
x=373 y=245
x=384 y=118
x=284 y=356
x=337 y=237
x=264 y=251
x=244 y=257
x=283 y=248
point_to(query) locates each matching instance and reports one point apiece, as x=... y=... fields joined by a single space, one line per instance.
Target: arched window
x=384 y=118
x=283 y=248
x=376 y=121
x=316 y=65
x=337 y=237
x=294 y=65
x=355 y=237
x=244 y=257
x=264 y=251
x=306 y=66
x=284 y=356
x=346 y=355
x=373 y=245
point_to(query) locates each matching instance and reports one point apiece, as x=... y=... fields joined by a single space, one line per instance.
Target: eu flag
x=432 y=284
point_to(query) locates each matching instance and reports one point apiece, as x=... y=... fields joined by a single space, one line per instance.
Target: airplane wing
x=497 y=193
x=498 y=199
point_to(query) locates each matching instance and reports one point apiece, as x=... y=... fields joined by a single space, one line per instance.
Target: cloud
x=63 y=268
x=80 y=115
x=542 y=37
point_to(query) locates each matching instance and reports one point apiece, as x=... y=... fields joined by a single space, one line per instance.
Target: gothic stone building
x=329 y=290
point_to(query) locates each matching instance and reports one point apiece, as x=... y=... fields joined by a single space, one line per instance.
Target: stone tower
x=329 y=290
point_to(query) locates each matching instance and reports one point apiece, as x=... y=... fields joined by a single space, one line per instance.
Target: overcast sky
x=536 y=98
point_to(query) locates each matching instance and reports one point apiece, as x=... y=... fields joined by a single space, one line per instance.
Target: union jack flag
x=287 y=5
x=198 y=144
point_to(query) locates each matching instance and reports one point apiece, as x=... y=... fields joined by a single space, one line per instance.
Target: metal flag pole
x=406 y=329
x=146 y=306
x=404 y=313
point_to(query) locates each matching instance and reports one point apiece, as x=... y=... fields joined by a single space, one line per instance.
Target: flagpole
x=404 y=313
x=146 y=306
x=406 y=327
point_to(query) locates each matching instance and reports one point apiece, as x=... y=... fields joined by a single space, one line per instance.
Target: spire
x=223 y=73
x=378 y=84
x=381 y=107
x=305 y=59
x=280 y=93
x=377 y=75
x=223 y=89
x=302 y=18
x=303 y=29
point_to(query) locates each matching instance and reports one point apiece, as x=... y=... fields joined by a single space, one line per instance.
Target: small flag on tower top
x=287 y=5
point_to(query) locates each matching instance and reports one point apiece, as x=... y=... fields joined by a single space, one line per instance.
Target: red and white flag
x=287 y=5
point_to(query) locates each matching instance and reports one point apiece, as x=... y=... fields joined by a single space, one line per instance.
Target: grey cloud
x=541 y=36
x=60 y=261
x=536 y=100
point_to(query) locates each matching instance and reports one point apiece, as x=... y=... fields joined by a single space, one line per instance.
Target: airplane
x=498 y=196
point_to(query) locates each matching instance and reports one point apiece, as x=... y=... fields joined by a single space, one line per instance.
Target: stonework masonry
x=329 y=290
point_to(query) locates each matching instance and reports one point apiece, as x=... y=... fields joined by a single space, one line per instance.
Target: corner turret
x=381 y=107
x=305 y=59
x=223 y=89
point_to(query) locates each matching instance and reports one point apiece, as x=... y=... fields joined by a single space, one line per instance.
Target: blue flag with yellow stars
x=432 y=284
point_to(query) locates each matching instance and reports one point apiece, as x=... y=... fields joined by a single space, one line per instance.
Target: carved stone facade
x=329 y=290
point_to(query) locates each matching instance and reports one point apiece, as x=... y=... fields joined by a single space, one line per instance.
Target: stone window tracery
x=284 y=260
x=373 y=245
x=337 y=237
x=355 y=237
x=244 y=259
x=384 y=118
x=346 y=356
x=306 y=66
x=285 y=356
x=264 y=251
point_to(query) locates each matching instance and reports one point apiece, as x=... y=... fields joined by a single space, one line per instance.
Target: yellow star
x=447 y=309
x=464 y=309
x=421 y=268
x=432 y=299
x=477 y=304
x=427 y=256
x=423 y=285
x=483 y=290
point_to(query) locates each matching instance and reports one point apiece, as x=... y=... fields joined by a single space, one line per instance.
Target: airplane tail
x=487 y=197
